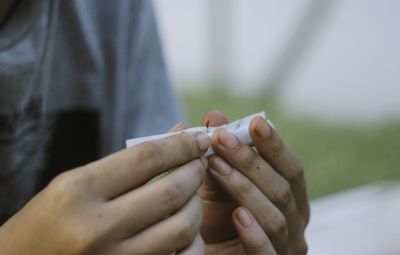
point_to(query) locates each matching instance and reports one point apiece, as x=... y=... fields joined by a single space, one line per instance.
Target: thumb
x=214 y=118
x=217 y=205
x=210 y=190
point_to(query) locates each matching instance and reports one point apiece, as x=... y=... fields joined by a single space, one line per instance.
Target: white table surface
x=364 y=220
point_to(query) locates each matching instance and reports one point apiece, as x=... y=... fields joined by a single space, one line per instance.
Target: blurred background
x=328 y=75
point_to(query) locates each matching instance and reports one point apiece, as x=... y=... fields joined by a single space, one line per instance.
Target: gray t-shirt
x=77 y=78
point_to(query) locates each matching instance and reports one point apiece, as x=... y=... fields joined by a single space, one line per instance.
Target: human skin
x=106 y=207
x=255 y=201
x=6 y=7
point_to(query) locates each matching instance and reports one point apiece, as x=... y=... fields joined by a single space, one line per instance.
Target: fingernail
x=221 y=167
x=228 y=140
x=243 y=217
x=203 y=141
x=262 y=129
x=178 y=127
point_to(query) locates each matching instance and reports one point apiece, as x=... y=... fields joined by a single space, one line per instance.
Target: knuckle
x=149 y=152
x=244 y=189
x=66 y=188
x=297 y=173
x=302 y=248
x=190 y=147
x=259 y=246
x=187 y=231
x=173 y=193
x=277 y=146
x=285 y=197
x=279 y=228
x=249 y=157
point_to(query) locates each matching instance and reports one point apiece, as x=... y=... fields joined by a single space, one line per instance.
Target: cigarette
x=239 y=128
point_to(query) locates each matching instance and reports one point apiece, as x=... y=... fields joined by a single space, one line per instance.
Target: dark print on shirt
x=12 y=125
x=20 y=138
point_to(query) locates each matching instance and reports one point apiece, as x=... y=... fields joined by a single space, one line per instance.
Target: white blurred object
x=361 y=221
x=240 y=128
x=346 y=69
x=246 y=40
x=351 y=69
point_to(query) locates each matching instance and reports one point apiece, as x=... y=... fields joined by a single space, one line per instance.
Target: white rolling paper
x=240 y=128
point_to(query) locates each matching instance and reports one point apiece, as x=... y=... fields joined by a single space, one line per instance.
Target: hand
x=106 y=208
x=268 y=185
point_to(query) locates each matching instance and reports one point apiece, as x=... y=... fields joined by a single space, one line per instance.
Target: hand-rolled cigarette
x=240 y=128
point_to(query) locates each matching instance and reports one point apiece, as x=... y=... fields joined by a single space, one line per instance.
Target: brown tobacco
x=207 y=124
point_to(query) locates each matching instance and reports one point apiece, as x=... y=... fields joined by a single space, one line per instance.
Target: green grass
x=335 y=157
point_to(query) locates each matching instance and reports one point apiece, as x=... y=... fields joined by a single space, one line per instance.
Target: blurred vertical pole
x=310 y=24
x=219 y=26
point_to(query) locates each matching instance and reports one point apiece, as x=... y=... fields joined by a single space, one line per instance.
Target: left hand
x=255 y=201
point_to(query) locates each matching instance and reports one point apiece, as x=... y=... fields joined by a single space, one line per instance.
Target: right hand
x=267 y=180
x=105 y=208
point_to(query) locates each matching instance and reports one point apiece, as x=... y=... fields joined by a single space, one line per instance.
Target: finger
x=148 y=204
x=282 y=159
x=218 y=206
x=210 y=190
x=127 y=169
x=254 y=240
x=253 y=166
x=170 y=235
x=214 y=118
x=196 y=248
x=178 y=127
x=248 y=195
x=257 y=170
